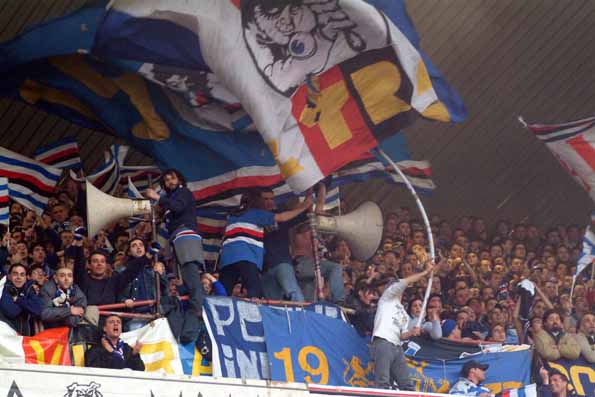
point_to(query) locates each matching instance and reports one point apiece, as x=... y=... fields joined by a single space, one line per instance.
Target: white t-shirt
x=391 y=317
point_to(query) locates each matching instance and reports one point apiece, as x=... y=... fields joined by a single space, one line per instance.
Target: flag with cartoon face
x=288 y=90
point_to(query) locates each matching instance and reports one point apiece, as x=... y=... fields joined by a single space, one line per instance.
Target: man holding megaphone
x=180 y=219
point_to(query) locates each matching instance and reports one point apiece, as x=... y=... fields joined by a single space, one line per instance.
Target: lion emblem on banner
x=356 y=375
x=78 y=390
x=292 y=39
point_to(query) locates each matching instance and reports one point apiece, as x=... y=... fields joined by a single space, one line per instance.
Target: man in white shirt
x=390 y=327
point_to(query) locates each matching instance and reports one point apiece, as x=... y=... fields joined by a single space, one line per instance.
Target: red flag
x=47 y=347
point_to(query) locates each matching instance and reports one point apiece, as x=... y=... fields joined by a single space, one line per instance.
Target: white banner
x=159 y=350
x=54 y=381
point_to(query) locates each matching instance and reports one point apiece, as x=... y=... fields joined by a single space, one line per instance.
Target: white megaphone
x=103 y=209
x=362 y=229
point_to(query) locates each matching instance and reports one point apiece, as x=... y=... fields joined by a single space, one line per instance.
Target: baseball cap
x=469 y=365
x=447 y=327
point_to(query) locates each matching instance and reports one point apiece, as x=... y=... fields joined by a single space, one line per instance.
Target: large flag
x=30 y=182
x=192 y=94
x=4 y=201
x=107 y=176
x=60 y=154
x=573 y=144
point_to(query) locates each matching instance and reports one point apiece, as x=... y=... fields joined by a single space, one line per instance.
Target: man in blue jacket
x=180 y=219
x=20 y=302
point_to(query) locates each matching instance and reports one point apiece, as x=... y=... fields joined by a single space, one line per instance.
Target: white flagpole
x=422 y=210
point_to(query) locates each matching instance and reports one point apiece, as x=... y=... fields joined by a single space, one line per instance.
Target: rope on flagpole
x=424 y=215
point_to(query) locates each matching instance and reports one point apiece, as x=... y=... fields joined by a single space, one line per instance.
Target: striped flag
x=30 y=182
x=526 y=391
x=212 y=216
x=587 y=254
x=107 y=176
x=132 y=192
x=333 y=199
x=61 y=154
x=4 y=216
x=419 y=173
x=114 y=173
x=573 y=144
x=142 y=177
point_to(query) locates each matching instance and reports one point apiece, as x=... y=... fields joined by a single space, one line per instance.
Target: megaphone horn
x=103 y=209
x=362 y=229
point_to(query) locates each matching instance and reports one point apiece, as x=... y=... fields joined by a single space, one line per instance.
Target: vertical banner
x=580 y=373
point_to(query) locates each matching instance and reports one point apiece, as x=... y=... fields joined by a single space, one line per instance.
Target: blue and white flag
x=4 y=201
x=587 y=254
x=333 y=199
x=132 y=191
x=61 y=154
x=107 y=176
x=30 y=182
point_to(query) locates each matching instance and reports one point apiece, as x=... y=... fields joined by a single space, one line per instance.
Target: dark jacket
x=276 y=242
x=363 y=318
x=19 y=306
x=98 y=357
x=106 y=290
x=59 y=316
x=142 y=287
x=180 y=209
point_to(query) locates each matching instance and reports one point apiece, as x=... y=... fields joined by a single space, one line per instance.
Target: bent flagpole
x=424 y=215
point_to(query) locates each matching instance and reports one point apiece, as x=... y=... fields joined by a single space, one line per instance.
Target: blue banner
x=308 y=347
x=580 y=373
x=508 y=370
x=238 y=336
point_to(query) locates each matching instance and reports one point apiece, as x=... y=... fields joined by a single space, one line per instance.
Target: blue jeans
x=279 y=282
x=331 y=272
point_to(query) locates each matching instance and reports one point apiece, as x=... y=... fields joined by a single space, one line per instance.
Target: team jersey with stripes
x=243 y=238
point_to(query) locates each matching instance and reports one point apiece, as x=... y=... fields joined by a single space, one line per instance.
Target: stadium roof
x=506 y=57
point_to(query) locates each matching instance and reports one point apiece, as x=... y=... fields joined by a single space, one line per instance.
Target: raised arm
x=544 y=298
x=79 y=272
x=288 y=215
x=418 y=276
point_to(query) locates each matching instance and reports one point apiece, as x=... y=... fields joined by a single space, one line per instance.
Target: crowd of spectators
x=57 y=275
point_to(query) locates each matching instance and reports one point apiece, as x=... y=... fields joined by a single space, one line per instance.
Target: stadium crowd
x=57 y=276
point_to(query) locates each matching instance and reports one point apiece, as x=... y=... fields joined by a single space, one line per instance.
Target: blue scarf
x=118 y=348
x=69 y=294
